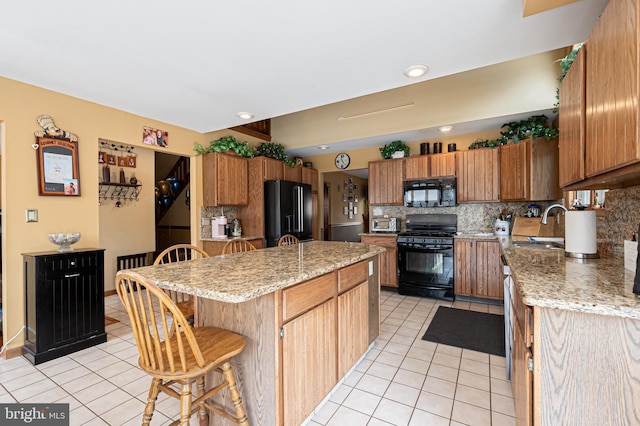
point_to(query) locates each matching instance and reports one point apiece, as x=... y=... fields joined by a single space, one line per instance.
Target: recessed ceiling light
x=323 y=147
x=416 y=71
x=245 y=115
x=445 y=129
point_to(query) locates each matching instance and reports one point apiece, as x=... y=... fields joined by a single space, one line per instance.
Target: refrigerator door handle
x=297 y=204
x=301 y=208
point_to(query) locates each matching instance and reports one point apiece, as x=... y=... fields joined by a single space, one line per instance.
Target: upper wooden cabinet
x=416 y=167
x=572 y=122
x=612 y=89
x=442 y=164
x=225 y=180
x=529 y=171
x=269 y=168
x=310 y=176
x=477 y=171
x=292 y=173
x=385 y=182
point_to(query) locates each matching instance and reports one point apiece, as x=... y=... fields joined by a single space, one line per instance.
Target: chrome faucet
x=546 y=212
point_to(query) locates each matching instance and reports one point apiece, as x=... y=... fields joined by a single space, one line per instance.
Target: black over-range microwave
x=434 y=192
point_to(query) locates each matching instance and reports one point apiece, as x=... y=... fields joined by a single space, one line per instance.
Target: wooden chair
x=237 y=246
x=287 y=240
x=179 y=253
x=183 y=358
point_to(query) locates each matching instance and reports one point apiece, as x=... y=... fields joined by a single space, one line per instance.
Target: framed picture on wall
x=111 y=159
x=58 y=167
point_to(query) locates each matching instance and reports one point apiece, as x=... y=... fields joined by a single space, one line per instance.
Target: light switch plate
x=31 y=215
x=370 y=268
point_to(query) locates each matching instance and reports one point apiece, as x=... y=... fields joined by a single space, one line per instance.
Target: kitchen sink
x=537 y=245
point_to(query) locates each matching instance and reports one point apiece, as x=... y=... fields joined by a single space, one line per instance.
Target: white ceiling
x=197 y=63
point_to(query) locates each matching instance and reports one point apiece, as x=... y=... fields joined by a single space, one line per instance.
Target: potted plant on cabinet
x=533 y=127
x=396 y=149
x=273 y=150
x=225 y=144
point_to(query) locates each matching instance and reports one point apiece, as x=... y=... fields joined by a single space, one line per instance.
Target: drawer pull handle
x=77 y=274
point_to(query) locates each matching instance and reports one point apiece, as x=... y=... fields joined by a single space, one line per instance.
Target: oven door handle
x=445 y=250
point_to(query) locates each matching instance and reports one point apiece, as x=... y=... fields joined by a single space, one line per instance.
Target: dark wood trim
x=110 y=293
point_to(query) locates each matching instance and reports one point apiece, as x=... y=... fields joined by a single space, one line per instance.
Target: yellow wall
x=100 y=225
x=336 y=181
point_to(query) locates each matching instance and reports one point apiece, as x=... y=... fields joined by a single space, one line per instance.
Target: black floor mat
x=477 y=331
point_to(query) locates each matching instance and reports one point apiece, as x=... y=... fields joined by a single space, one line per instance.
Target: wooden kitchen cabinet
x=416 y=167
x=293 y=174
x=521 y=354
x=385 y=182
x=477 y=171
x=529 y=171
x=477 y=269
x=268 y=168
x=572 y=122
x=214 y=247
x=353 y=318
x=225 y=180
x=310 y=176
x=612 y=89
x=388 y=259
x=443 y=164
x=309 y=351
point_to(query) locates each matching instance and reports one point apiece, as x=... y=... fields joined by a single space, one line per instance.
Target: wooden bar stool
x=183 y=358
x=237 y=246
x=180 y=253
x=287 y=240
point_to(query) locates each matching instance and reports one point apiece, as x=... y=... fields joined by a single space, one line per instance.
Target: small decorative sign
x=58 y=167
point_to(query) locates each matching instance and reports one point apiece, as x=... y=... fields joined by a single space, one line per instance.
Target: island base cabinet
x=353 y=326
x=299 y=342
x=308 y=361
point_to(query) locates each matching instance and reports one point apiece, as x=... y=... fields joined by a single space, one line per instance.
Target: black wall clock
x=342 y=160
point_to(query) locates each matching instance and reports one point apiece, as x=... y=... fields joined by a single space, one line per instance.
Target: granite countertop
x=240 y=277
x=548 y=279
x=225 y=239
x=475 y=236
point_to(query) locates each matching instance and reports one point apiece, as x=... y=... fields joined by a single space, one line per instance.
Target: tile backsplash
x=206 y=213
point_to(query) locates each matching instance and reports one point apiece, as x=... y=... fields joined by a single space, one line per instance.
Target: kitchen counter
x=239 y=277
x=548 y=279
x=224 y=239
x=276 y=298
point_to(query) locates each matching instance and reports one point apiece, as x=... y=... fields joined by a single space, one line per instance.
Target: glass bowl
x=64 y=240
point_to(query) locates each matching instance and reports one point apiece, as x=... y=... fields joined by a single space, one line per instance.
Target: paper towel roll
x=580 y=233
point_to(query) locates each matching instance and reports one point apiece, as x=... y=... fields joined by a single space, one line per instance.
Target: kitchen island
x=579 y=322
x=309 y=312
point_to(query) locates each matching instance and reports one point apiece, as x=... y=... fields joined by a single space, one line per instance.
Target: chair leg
x=151 y=401
x=185 y=403
x=203 y=413
x=241 y=415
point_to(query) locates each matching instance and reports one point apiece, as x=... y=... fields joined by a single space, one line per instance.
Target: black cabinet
x=64 y=295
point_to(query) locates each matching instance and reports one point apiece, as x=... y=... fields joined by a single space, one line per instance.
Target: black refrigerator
x=287 y=210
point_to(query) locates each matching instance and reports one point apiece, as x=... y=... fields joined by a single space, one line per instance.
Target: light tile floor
x=405 y=380
x=402 y=381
